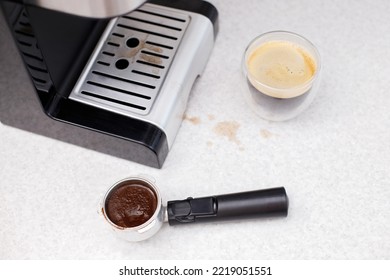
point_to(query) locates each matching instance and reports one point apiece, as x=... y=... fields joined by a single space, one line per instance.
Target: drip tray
x=128 y=67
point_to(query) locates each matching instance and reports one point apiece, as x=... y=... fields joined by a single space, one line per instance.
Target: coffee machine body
x=116 y=85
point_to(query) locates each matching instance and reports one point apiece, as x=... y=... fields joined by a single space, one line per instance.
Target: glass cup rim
x=316 y=57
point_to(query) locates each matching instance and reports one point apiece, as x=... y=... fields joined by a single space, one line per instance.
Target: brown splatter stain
x=209 y=144
x=193 y=120
x=154 y=48
x=265 y=133
x=148 y=58
x=151 y=58
x=211 y=117
x=228 y=129
x=134 y=51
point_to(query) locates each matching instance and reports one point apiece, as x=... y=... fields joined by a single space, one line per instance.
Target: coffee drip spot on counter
x=211 y=117
x=193 y=120
x=266 y=134
x=226 y=129
x=229 y=130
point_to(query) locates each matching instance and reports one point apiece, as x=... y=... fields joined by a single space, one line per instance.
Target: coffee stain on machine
x=150 y=58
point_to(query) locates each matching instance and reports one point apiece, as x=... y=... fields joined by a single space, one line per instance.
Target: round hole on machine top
x=132 y=42
x=122 y=64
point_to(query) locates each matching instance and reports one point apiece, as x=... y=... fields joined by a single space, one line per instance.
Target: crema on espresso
x=280 y=69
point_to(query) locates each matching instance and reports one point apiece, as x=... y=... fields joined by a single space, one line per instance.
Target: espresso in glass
x=281 y=71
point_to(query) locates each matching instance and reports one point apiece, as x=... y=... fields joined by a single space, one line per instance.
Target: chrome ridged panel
x=131 y=61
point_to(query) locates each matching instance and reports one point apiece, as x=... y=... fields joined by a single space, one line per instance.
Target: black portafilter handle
x=251 y=204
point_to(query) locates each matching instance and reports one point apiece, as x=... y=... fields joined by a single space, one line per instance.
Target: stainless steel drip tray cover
x=129 y=65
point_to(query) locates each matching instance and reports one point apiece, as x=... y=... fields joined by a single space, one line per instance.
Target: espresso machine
x=110 y=75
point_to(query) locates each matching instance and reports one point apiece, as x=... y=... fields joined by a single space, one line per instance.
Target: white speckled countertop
x=333 y=159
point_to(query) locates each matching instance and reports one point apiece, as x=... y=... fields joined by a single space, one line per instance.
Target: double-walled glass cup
x=281 y=72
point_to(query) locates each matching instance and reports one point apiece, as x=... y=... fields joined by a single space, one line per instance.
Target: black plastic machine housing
x=55 y=47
